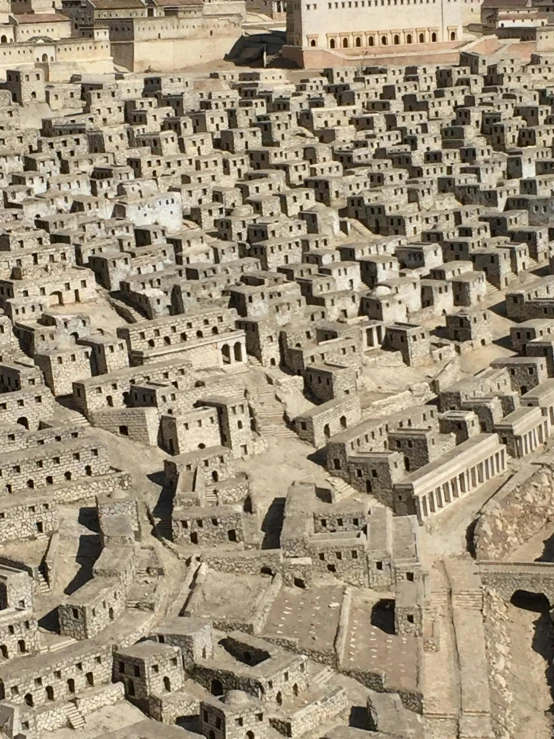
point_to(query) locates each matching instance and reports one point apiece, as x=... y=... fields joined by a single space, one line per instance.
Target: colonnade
x=459 y=485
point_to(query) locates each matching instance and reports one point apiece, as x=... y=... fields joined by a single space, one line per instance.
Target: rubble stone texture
x=277 y=403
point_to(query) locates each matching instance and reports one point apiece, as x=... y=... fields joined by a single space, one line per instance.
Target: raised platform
x=447 y=52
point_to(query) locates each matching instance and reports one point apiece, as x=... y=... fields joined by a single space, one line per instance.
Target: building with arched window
x=333 y=32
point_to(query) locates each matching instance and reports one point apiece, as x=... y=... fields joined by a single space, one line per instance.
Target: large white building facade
x=318 y=30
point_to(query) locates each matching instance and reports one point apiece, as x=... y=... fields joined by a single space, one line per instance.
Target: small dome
x=234 y=697
x=382 y=290
x=117 y=494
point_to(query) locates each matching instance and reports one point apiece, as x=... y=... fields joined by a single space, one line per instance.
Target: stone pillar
x=432 y=501
x=455 y=489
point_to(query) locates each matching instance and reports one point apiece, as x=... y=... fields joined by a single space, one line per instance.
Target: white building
x=355 y=27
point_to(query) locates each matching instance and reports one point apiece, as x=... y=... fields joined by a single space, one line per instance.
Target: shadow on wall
x=249 y=50
x=543 y=640
x=543 y=636
x=548 y=550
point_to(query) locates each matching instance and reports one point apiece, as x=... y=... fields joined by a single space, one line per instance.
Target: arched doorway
x=56 y=298
x=530 y=601
x=237 y=351
x=343 y=422
x=23 y=422
x=29 y=700
x=167 y=685
x=49 y=693
x=226 y=354
x=326 y=431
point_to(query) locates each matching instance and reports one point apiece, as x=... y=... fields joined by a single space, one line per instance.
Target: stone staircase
x=323 y=676
x=341 y=489
x=439 y=724
x=61 y=644
x=74 y=716
x=128 y=312
x=43 y=586
x=269 y=414
x=210 y=498
x=80 y=421
x=468 y=599
x=492 y=291
x=235 y=369
x=531 y=264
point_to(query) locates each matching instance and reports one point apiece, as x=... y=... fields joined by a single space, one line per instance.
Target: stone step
x=474 y=601
x=341 y=488
x=80 y=421
x=281 y=432
x=235 y=369
x=267 y=422
x=75 y=717
x=43 y=586
x=270 y=420
x=323 y=676
x=62 y=644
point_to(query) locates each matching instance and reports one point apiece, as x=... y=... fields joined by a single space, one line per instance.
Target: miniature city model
x=277 y=404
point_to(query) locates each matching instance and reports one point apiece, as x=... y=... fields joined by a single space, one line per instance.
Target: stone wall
x=499 y=657
x=308 y=718
x=138 y=424
x=168 y=708
x=521 y=508
x=251 y=562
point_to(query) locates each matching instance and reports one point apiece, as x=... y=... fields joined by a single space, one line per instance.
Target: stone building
x=276 y=304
